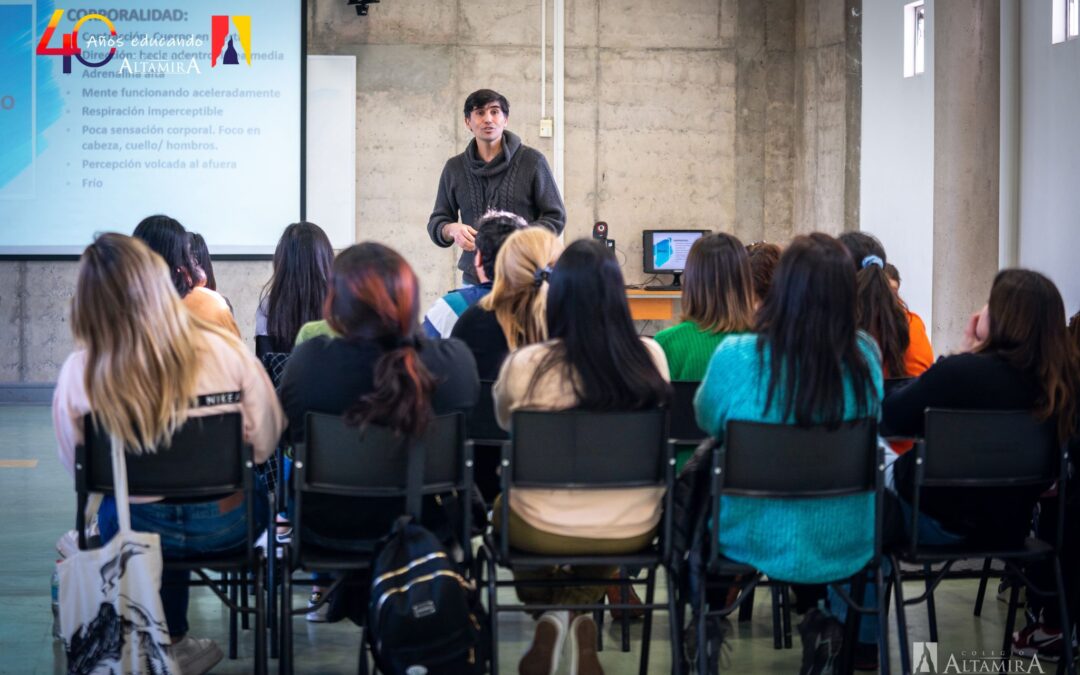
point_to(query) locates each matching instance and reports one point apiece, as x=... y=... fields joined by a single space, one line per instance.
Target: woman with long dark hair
x=297 y=288
x=717 y=300
x=900 y=333
x=168 y=238
x=807 y=365
x=593 y=360
x=201 y=254
x=379 y=371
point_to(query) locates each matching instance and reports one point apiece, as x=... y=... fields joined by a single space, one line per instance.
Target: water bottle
x=56 y=605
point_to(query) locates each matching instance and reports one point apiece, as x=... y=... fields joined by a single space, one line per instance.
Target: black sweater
x=518 y=180
x=479 y=329
x=964 y=382
x=329 y=375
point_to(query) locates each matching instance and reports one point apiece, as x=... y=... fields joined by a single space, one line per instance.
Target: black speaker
x=600 y=230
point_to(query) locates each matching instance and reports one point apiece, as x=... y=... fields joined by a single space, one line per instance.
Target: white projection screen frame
x=174 y=108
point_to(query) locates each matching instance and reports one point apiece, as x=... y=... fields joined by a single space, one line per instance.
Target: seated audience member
x=491 y=231
x=900 y=333
x=593 y=361
x=204 y=266
x=764 y=257
x=142 y=360
x=297 y=288
x=380 y=371
x=1017 y=356
x=512 y=314
x=168 y=238
x=893 y=275
x=807 y=365
x=717 y=300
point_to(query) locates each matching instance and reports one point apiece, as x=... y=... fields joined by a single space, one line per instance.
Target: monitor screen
x=666 y=250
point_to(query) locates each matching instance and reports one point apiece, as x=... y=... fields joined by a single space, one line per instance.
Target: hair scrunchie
x=872 y=260
x=541 y=275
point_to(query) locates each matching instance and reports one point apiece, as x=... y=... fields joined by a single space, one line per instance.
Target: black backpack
x=424 y=617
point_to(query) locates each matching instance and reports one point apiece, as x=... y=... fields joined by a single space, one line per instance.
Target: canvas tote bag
x=111 y=617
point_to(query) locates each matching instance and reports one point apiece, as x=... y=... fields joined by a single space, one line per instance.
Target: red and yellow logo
x=219 y=30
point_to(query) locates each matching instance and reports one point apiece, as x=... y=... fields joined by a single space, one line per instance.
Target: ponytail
x=401 y=399
x=881 y=314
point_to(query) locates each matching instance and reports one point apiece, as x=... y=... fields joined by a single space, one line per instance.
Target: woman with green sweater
x=807 y=365
x=717 y=300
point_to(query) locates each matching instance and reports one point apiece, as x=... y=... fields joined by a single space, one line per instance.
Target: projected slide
x=671 y=248
x=110 y=112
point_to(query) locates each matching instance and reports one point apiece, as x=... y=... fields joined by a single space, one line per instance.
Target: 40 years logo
x=70 y=41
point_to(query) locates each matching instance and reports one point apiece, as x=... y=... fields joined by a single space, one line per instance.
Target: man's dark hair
x=482 y=97
x=493 y=228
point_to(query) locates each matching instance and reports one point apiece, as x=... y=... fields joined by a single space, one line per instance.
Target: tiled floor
x=37 y=503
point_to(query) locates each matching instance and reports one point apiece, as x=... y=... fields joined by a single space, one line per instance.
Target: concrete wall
x=722 y=114
x=898 y=150
x=1050 y=153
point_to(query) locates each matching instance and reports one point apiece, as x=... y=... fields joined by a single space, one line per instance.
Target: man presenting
x=496 y=171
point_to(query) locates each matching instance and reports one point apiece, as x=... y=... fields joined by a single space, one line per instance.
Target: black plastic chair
x=487 y=437
x=338 y=459
x=684 y=427
x=206 y=460
x=990 y=450
x=776 y=461
x=580 y=450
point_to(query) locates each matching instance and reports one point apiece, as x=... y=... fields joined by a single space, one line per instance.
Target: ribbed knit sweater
x=518 y=180
x=688 y=349
x=797 y=540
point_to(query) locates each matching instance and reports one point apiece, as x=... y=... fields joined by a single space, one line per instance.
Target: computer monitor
x=665 y=251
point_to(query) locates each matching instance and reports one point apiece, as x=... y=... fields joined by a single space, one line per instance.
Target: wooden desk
x=652 y=305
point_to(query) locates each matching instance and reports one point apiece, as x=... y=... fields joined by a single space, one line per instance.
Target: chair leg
x=1010 y=623
x=234 y=594
x=260 y=622
x=746 y=610
x=883 y=619
x=272 y=613
x=285 y=655
x=362 y=667
x=1066 y=620
x=243 y=577
x=851 y=625
x=785 y=606
x=901 y=619
x=982 y=586
x=675 y=618
x=598 y=617
x=646 y=628
x=493 y=613
x=931 y=610
x=776 y=639
x=624 y=598
x=702 y=616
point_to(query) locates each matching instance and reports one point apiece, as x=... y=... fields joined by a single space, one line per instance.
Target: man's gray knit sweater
x=518 y=180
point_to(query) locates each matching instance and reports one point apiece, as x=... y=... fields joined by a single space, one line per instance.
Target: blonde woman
x=142 y=363
x=512 y=315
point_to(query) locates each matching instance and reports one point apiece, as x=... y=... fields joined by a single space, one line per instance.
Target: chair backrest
x=684 y=426
x=577 y=448
x=205 y=458
x=373 y=461
x=987 y=448
x=482 y=427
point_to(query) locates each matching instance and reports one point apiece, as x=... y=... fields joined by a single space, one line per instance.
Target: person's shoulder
x=313 y=329
x=202 y=294
x=738 y=343
x=445 y=354
x=670 y=332
x=529 y=355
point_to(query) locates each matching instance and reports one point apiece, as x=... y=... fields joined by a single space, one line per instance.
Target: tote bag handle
x=120 y=484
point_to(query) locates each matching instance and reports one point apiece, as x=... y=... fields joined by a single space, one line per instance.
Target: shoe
x=1005 y=588
x=614 y=597
x=583 y=658
x=547 y=645
x=1037 y=639
x=319 y=614
x=717 y=647
x=822 y=639
x=194 y=656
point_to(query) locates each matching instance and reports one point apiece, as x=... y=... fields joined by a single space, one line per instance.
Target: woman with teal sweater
x=717 y=300
x=807 y=365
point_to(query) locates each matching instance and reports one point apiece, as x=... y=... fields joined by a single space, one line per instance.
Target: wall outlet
x=547 y=127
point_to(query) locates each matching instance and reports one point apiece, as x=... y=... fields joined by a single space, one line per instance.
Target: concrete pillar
x=966 y=162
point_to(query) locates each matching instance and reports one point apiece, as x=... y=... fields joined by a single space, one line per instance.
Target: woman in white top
x=143 y=360
x=594 y=360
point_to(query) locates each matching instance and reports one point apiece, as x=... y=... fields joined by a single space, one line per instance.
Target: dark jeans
x=187 y=531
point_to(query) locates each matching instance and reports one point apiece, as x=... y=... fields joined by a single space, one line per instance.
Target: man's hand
x=462 y=234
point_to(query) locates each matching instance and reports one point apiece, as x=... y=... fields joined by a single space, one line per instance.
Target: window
x=915 y=38
x=1065 y=20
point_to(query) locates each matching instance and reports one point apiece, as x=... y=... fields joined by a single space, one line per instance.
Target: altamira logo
x=219 y=30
